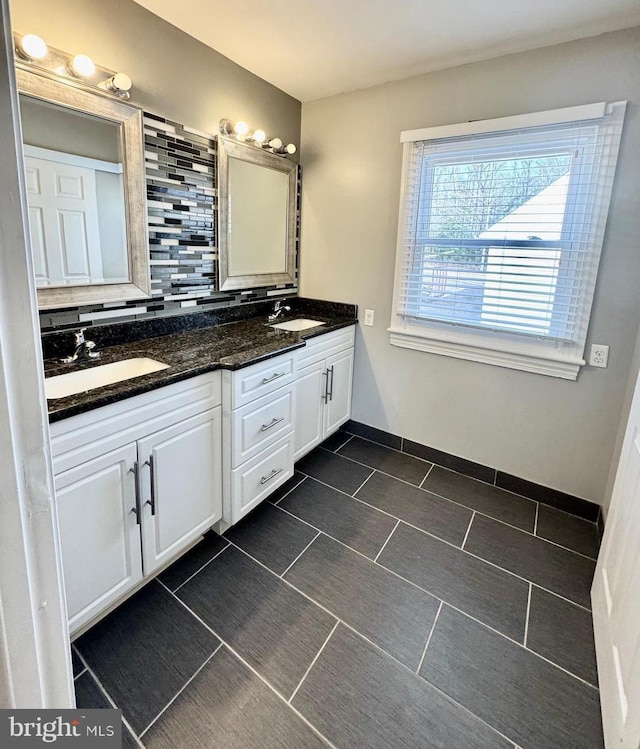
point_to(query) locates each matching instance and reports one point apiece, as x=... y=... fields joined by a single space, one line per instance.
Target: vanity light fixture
x=242 y=132
x=82 y=66
x=32 y=47
x=34 y=55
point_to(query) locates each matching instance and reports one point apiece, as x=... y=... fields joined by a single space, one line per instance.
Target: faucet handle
x=79 y=336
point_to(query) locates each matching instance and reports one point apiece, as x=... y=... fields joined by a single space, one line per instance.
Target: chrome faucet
x=83 y=349
x=278 y=310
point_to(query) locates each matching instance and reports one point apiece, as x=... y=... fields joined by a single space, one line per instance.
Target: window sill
x=540 y=359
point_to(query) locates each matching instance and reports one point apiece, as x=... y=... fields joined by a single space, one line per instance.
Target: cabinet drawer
x=322 y=346
x=261 y=423
x=258 y=380
x=257 y=478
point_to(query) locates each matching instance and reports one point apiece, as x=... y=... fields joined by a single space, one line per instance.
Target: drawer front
x=257 y=478
x=326 y=345
x=261 y=423
x=253 y=382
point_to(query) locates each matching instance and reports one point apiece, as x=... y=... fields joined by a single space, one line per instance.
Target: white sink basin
x=300 y=323
x=95 y=377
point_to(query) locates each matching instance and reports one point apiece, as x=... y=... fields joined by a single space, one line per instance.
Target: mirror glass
x=75 y=192
x=86 y=192
x=257 y=216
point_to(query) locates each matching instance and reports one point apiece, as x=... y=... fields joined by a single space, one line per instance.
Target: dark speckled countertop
x=231 y=346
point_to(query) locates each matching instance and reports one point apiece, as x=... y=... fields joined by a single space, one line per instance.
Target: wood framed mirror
x=86 y=193
x=257 y=216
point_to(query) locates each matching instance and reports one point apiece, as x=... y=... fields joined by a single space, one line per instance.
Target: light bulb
x=259 y=136
x=33 y=47
x=120 y=83
x=275 y=143
x=82 y=66
x=290 y=149
x=241 y=128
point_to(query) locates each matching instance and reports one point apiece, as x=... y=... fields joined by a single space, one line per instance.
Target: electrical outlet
x=369 y=314
x=599 y=356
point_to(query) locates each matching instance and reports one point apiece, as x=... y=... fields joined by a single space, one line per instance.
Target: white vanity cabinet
x=259 y=413
x=136 y=483
x=324 y=381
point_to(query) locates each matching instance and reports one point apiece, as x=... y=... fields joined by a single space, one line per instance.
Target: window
x=500 y=232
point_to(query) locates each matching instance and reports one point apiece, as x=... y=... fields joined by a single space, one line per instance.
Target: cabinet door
x=338 y=408
x=180 y=485
x=99 y=533
x=310 y=386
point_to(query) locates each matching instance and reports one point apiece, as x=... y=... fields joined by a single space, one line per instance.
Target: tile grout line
x=472 y=478
x=277 y=502
x=452 y=501
x=373 y=470
x=423 y=590
x=215 y=556
x=526 y=620
x=430 y=535
x=426 y=645
x=313 y=662
x=386 y=542
x=351 y=436
x=299 y=555
x=433 y=465
x=181 y=690
x=110 y=699
x=84 y=671
x=535 y=521
x=466 y=535
x=237 y=655
x=352 y=629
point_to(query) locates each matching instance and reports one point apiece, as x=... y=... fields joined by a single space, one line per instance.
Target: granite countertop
x=231 y=346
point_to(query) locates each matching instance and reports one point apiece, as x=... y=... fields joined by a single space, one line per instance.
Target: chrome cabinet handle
x=273 y=377
x=330 y=393
x=272 y=475
x=151 y=501
x=136 y=476
x=325 y=389
x=266 y=427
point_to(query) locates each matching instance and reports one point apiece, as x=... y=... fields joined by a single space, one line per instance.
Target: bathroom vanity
x=143 y=467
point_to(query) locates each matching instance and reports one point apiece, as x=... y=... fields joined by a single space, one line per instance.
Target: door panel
x=310 y=389
x=616 y=598
x=338 y=408
x=181 y=485
x=99 y=533
x=63 y=199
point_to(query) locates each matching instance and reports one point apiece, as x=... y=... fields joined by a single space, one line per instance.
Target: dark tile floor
x=376 y=600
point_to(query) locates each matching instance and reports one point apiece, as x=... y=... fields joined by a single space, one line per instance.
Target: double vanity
x=144 y=466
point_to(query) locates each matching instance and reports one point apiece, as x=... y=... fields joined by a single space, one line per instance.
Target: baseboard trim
x=553 y=497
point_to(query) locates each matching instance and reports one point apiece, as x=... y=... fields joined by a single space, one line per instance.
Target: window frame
x=547 y=356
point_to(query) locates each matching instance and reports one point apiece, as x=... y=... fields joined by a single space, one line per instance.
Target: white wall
x=555 y=432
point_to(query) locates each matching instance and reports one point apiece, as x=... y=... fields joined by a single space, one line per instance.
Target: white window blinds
x=502 y=230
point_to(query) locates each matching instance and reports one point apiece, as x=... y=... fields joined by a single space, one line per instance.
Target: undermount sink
x=300 y=323
x=72 y=383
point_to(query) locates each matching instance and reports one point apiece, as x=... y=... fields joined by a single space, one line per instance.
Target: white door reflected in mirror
x=75 y=193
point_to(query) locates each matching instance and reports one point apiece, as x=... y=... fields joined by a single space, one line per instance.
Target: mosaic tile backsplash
x=181 y=165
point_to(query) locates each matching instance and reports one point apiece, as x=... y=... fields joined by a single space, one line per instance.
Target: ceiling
x=317 y=48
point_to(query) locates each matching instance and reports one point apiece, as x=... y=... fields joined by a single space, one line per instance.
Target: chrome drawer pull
x=273 y=377
x=272 y=475
x=266 y=427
